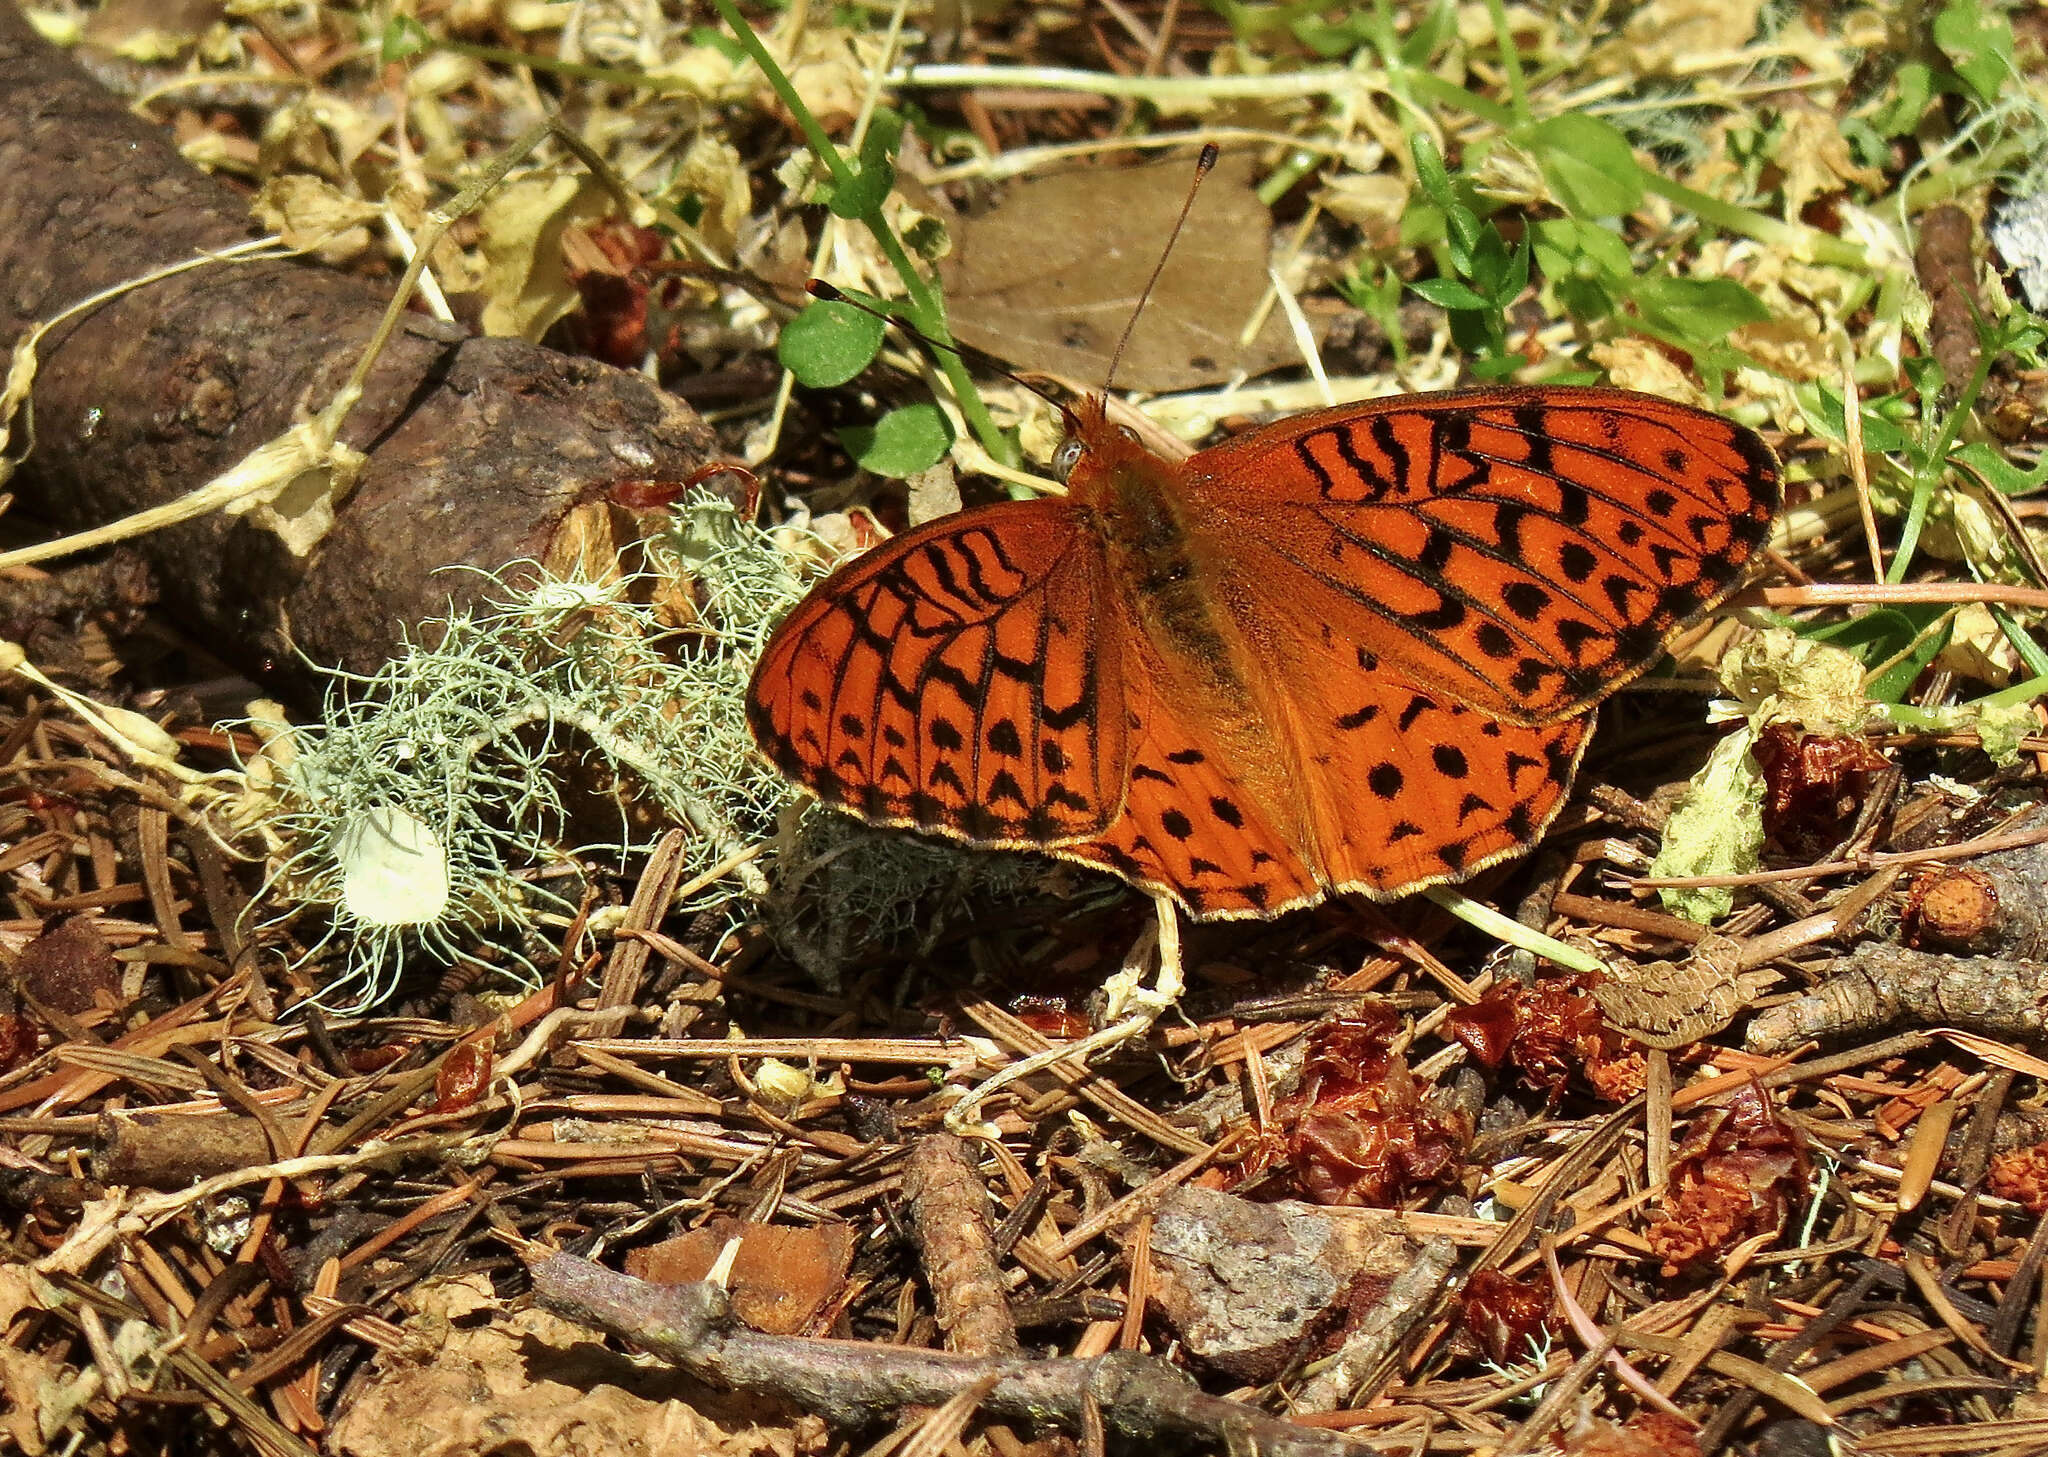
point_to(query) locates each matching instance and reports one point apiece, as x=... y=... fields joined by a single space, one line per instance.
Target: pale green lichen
x=1716 y=829
x=416 y=814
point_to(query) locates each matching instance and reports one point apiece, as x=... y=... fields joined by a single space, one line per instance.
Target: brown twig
x=851 y=1383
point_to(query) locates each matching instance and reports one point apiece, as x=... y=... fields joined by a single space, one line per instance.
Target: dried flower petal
x=1358 y=1131
x=1506 y=1315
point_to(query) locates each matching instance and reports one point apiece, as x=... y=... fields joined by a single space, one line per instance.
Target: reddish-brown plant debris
x=2021 y=1174
x=1814 y=785
x=1359 y=1131
x=1646 y=1434
x=17 y=1041
x=1736 y=1175
x=69 y=966
x=1508 y=1317
x=608 y=265
x=1050 y=1016
x=464 y=1075
x=1547 y=1032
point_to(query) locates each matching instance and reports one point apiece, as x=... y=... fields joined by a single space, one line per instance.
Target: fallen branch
x=854 y=1383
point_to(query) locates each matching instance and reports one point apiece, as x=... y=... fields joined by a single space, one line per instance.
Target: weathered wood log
x=480 y=451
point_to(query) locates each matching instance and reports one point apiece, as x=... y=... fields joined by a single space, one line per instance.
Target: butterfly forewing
x=954 y=679
x=1521 y=551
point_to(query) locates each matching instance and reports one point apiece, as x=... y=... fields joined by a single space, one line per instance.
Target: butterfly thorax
x=1135 y=506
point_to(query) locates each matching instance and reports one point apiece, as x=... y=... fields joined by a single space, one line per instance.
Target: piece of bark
x=173 y=1150
x=1878 y=986
x=1251 y=1288
x=949 y=1219
x=479 y=450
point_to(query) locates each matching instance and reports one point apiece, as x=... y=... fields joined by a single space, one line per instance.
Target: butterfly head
x=1092 y=439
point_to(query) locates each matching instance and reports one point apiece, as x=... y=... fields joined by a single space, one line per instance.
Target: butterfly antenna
x=1203 y=163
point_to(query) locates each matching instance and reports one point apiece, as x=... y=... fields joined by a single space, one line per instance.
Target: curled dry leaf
x=1736 y=1175
x=1358 y=1131
x=1547 y=1031
x=1814 y=785
x=1510 y=1318
x=607 y=262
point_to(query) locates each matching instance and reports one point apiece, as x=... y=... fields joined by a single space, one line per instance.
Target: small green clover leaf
x=901 y=443
x=829 y=343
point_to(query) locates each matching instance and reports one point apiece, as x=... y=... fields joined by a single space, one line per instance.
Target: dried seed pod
x=1997 y=905
x=463 y=1076
x=1953 y=908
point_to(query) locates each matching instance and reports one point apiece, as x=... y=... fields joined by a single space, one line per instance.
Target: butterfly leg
x=1125 y=993
x=1132 y=1009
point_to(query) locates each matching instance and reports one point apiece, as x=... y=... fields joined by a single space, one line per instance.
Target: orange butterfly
x=1356 y=650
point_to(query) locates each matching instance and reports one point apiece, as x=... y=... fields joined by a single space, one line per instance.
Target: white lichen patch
x=416 y=815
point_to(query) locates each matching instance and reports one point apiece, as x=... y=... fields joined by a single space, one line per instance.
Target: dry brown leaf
x=781 y=1275
x=533 y=1382
x=1047 y=278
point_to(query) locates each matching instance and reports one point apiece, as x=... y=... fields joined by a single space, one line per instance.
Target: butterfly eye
x=1067 y=457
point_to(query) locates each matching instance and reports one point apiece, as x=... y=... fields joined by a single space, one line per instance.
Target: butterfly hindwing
x=1199 y=822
